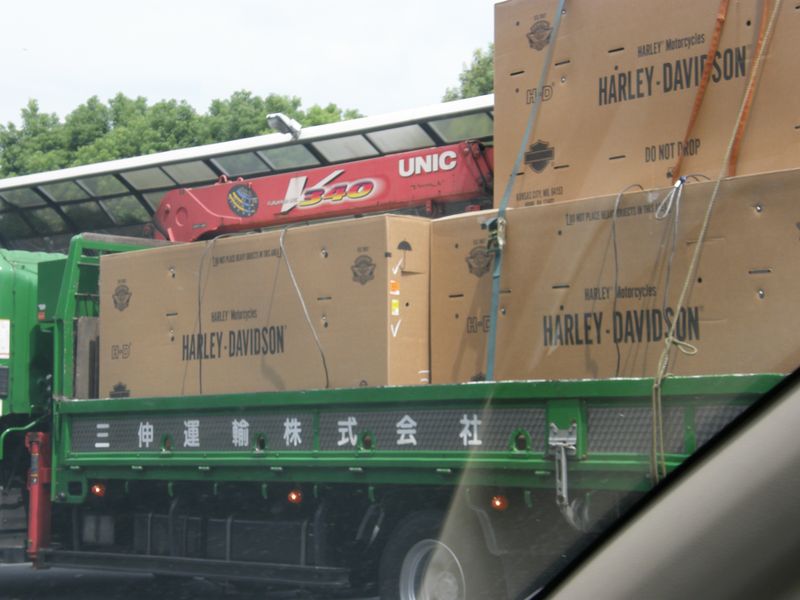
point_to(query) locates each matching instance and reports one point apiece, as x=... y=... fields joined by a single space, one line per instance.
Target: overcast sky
x=375 y=56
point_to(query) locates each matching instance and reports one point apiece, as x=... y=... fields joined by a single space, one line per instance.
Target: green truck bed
x=497 y=434
x=478 y=433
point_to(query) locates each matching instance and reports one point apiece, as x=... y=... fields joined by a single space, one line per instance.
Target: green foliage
x=87 y=123
x=125 y=111
x=317 y=115
x=476 y=79
x=39 y=145
x=96 y=131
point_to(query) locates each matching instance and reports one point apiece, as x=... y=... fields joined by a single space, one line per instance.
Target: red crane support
x=38 y=444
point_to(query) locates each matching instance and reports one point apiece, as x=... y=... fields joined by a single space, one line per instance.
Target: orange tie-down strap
x=722 y=13
x=750 y=93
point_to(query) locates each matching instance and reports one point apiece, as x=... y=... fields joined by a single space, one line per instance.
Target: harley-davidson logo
x=539 y=155
x=539 y=34
x=479 y=260
x=363 y=269
x=120 y=390
x=121 y=296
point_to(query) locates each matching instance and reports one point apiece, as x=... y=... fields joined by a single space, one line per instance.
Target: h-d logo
x=539 y=155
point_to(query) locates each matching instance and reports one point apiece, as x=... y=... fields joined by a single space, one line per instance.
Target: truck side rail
x=78 y=296
x=498 y=434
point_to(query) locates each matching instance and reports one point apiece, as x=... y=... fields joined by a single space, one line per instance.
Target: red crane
x=428 y=178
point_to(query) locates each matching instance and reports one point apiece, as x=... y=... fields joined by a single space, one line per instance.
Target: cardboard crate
x=620 y=91
x=559 y=318
x=224 y=316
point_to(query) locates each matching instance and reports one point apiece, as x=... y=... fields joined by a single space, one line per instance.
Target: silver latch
x=564 y=438
x=497 y=234
x=564 y=443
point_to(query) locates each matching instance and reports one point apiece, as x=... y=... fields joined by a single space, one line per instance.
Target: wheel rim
x=431 y=571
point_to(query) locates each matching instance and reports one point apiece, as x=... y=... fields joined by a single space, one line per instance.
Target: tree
x=476 y=79
x=96 y=131
x=85 y=124
x=125 y=110
x=38 y=145
x=242 y=115
x=140 y=129
x=317 y=115
x=171 y=124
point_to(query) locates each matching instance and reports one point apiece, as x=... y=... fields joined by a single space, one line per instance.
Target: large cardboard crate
x=561 y=316
x=224 y=316
x=619 y=94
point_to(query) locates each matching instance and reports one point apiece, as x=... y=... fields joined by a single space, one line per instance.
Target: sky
x=374 y=56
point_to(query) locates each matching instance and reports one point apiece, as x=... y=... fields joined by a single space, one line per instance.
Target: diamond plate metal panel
x=709 y=420
x=629 y=430
x=433 y=430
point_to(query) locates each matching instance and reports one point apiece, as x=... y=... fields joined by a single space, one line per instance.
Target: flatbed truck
x=477 y=488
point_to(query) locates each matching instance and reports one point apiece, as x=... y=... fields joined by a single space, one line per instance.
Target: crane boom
x=422 y=178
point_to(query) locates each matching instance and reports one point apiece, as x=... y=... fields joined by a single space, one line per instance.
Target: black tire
x=419 y=564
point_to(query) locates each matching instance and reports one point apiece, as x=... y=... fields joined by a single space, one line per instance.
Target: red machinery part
x=38 y=444
x=458 y=172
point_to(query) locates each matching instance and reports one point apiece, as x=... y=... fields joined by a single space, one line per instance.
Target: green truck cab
x=25 y=349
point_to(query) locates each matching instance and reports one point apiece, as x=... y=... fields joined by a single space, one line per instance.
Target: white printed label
x=5 y=338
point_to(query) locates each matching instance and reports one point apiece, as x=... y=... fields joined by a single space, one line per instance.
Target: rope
x=497 y=242
x=664 y=209
x=673 y=198
x=305 y=308
x=616 y=264
x=657 y=460
x=722 y=13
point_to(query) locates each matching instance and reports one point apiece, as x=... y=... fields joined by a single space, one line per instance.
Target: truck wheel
x=417 y=565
